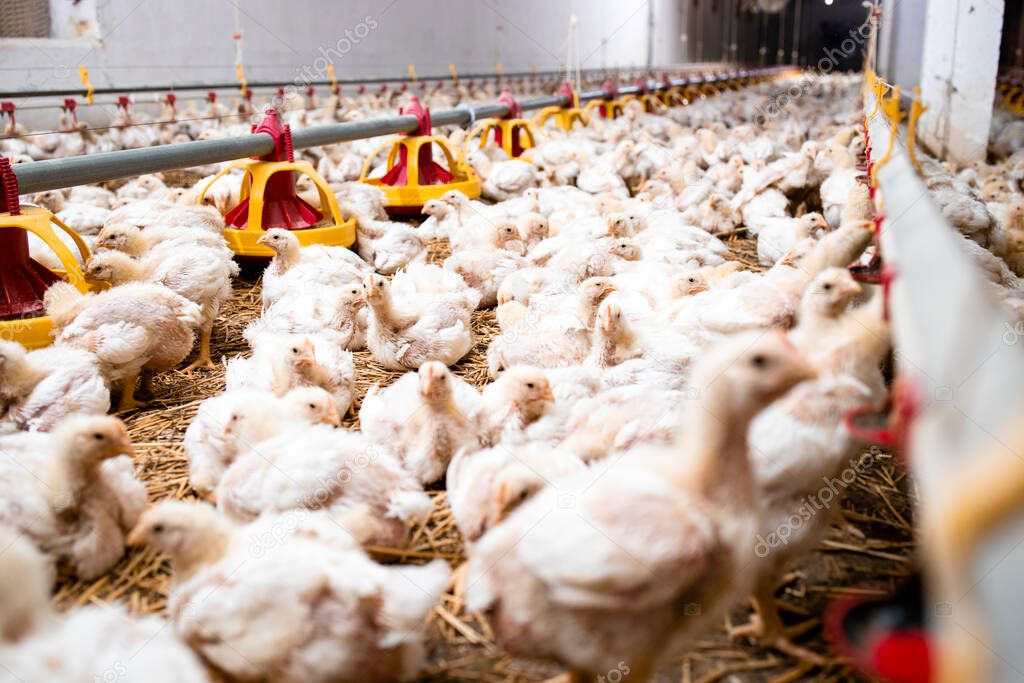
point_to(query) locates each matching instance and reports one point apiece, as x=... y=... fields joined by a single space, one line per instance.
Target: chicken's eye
x=827 y=286
x=690 y=280
x=295 y=350
x=158 y=528
x=312 y=406
x=529 y=385
x=97 y=436
x=759 y=361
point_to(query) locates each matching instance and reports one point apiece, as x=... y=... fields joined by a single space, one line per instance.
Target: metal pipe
x=301 y=83
x=38 y=176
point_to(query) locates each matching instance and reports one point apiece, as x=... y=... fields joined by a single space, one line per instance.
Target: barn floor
x=868 y=556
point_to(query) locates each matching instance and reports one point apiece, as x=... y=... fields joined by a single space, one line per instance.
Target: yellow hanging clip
x=454 y=73
x=500 y=70
x=892 y=113
x=240 y=75
x=412 y=72
x=83 y=73
x=880 y=89
x=916 y=109
x=334 y=81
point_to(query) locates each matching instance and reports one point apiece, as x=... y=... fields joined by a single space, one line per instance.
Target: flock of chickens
x=656 y=411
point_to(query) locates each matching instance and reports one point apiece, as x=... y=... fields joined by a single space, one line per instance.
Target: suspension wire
x=795 y=53
x=780 y=51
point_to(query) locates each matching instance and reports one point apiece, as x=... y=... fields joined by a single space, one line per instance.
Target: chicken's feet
x=203 y=360
x=766 y=627
x=128 y=400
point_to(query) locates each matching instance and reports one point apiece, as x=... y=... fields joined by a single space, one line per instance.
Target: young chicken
x=614 y=341
x=779 y=235
x=554 y=331
x=426 y=417
x=338 y=313
x=486 y=486
x=516 y=399
x=281 y=362
x=291 y=598
x=200 y=274
x=593 y=569
x=130 y=329
x=386 y=245
x=323 y=468
x=230 y=424
x=801 y=440
x=72 y=492
x=400 y=340
x=89 y=643
x=134 y=241
x=507 y=179
x=38 y=389
x=294 y=269
x=484 y=270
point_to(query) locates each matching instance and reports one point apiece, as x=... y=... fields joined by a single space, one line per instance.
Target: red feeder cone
x=23 y=281
x=282 y=207
x=430 y=172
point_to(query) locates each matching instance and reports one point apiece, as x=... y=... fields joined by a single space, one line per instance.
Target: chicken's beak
x=332 y=418
x=263 y=239
x=548 y=395
x=136 y=537
x=124 y=443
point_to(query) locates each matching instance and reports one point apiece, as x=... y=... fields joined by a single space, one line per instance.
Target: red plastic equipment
x=282 y=207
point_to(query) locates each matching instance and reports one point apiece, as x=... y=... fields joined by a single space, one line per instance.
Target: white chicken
x=200 y=274
x=72 y=492
x=405 y=339
x=426 y=417
x=38 y=389
x=88 y=644
x=320 y=467
x=295 y=270
x=310 y=607
x=281 y=362
x=130 y=329
x=580 y=557
x=234 y=422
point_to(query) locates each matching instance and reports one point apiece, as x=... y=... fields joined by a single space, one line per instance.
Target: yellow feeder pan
x=606 y=109
x=609 y=108
x=563 y=117
x=513 y=133
x=268 y=199
x=23 y=281
x=412 y=177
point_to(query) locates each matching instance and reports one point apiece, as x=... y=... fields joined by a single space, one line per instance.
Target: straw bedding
x=867 y=556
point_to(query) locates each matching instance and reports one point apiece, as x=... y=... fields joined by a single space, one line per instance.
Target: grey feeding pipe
x=51 y=174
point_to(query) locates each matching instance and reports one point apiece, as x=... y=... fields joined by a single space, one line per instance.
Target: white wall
x=190 y=40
